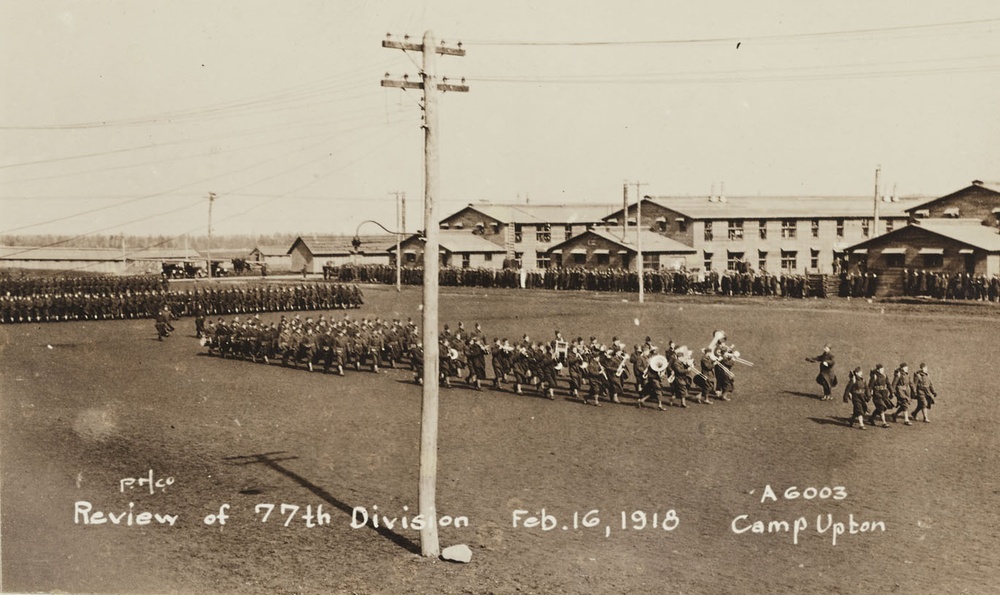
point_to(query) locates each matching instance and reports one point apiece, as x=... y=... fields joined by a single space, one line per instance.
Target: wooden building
x=948 y=246
x=774 y=233
x=457 y=248
x=275 y=257
x=112 y=261
x=316 y=251
x=980 y=200
x=526 y=232
x=606 y=248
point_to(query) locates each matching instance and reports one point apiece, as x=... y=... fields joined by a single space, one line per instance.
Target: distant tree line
x=136 y=242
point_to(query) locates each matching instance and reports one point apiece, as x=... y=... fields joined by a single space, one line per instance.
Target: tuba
x=658 y=363
x=453 y=353
x=717 y=338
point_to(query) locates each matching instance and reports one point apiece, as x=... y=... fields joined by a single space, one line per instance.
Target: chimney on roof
x=894 y=198
x=722 y=192
x=977 y=182
x=711 y=196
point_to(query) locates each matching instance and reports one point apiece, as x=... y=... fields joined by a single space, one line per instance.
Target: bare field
x=107 y=401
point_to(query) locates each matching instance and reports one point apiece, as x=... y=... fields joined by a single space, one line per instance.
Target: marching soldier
x=500 y=355
x=477 y=363
x=923 y=389
x=878 y=385
x=826 y=377
x=856 y=392
x=706 y=379
x=680 y=369
x=902 y=388
x=652 y=381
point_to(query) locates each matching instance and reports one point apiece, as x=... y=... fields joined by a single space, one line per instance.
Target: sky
x=122 y=116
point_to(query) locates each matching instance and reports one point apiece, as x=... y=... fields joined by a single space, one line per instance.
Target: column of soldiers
x=730 y=283
x=93 y=284
x=876 y=396
x=128 y=304
x=951 y=286
x=590 y=371
x=327 y=344
x=861 y=285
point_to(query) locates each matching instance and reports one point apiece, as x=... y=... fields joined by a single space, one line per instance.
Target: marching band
x=586 y=370
x=590 y=371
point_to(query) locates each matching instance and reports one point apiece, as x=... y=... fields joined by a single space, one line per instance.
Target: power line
x=210 y=153
x=92 y=232
x=156 y=145
x=704 y=40
x=318 y=178
x=273 y=98
x=741 y=77
x=181 y=187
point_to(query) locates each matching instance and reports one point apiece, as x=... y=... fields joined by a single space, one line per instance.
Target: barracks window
x=815 y=228
x=708 y=231
x=789 y=260
x=762 y=229
x=788 y=229
x=736 y=229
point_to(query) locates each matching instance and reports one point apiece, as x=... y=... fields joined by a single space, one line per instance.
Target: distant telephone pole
x=400 y=197
x=878 y=171
x=624 y=211
x=211 y=199
x=429 y=546
x=638 y=239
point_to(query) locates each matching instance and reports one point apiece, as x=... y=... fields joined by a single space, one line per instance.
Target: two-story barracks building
x=527 y=232
x=772 y=233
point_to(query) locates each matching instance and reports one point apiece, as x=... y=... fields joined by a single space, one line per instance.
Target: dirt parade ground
x=130 y=465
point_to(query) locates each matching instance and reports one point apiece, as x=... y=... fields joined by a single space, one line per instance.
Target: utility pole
x=624 y=211
x=429 y=546
x=638 y=239
x=399 y=230
x=878 y=170
x=211 y=199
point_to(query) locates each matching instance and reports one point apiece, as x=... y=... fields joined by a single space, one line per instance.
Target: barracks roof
x=970 y=232
x=782 y=207
x=651 y=242
x=271 y=250
x=991 y=186
x=330 y=245
x=460 y=241
x=544 y=213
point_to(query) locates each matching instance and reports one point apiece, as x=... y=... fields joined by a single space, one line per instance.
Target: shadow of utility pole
x=273 y=461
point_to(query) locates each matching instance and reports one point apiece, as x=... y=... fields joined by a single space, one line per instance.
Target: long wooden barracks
x=957 y=234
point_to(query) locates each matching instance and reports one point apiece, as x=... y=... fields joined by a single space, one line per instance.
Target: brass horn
x=658 y=363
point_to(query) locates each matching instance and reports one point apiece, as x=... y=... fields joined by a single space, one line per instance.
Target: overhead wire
x=733 y=39
x=154 y=145
x=787 y=74
x=181 y=187
x=344 y=117
x=359 y=75
x=244 y=212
